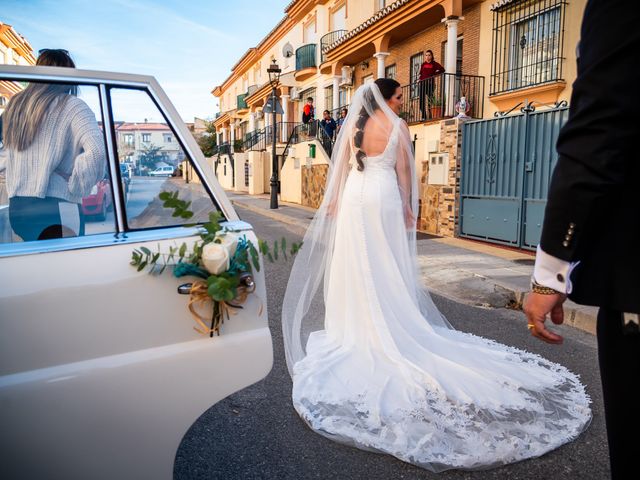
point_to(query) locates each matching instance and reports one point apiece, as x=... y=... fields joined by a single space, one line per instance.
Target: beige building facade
x=14 y=50
x=498 y=55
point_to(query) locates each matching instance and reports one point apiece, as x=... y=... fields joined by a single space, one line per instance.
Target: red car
x=98 y=201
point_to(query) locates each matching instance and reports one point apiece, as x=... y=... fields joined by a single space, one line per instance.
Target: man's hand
x=537 y=306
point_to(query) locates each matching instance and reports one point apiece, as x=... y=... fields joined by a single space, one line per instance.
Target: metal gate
x=505 y=173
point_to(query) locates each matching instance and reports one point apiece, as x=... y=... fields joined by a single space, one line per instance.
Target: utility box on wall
x=438 y=169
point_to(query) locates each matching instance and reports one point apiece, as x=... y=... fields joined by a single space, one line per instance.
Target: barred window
x=342 y=97
x=390 y=71
x=527 y=43
x=328 y=98
x=415 y=63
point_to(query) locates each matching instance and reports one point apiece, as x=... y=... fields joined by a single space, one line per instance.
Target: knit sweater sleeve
x=87 y=137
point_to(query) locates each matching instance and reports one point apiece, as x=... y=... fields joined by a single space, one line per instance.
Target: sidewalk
x=472 y=272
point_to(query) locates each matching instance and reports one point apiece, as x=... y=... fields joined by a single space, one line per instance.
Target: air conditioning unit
x=259 y=114
x=295 y=93
x=346 y=79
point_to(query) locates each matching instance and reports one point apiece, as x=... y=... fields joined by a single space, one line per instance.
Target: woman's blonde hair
x=27 y=110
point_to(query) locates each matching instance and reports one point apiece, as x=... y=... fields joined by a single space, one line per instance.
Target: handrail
x=328 y=39
x=437 y=97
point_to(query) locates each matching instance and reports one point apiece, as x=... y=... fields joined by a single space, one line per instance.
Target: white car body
x=101 y=372
x=162 y=172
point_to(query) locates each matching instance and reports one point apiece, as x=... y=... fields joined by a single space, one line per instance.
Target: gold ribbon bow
x=199 y=297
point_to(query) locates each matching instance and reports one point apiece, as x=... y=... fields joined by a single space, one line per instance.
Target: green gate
x=505 y=173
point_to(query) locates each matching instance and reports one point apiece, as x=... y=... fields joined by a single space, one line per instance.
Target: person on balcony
x=308 y=117
x=343 y=115
x=329 y=127
x=426 y=81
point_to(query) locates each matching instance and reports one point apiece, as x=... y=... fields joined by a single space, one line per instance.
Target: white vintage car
x=101 y=372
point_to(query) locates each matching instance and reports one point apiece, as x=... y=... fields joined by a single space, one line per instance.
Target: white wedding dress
x=387 y=373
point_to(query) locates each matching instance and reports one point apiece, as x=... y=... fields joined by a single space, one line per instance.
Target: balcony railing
x=437 y=97
x=306 y=56
x=327 y=40
x=241 y=103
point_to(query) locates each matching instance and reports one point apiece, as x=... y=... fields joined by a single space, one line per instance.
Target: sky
x=189 y=46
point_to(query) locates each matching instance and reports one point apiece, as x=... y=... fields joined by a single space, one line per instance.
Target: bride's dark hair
x=387 y=87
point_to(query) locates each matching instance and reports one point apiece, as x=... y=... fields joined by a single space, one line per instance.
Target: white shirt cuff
x=552 y=272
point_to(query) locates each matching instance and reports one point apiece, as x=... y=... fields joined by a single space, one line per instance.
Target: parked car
x=162 y=172
x=98 y=201
x=101 y=372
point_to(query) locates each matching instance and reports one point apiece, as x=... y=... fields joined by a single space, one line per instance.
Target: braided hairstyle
x=387 y=87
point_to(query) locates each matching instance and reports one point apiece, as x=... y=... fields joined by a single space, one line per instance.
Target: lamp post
x=274 y=77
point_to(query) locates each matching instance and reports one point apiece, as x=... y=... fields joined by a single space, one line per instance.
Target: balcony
x=327 y=40
x=436 y=98
x=242 y=105
x=305 y=61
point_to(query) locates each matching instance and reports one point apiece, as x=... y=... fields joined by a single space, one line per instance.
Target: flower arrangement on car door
x=223 y=261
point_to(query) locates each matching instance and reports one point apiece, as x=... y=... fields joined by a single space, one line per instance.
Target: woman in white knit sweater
x=53 y=154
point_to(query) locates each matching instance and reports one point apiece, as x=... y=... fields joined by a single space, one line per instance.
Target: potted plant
x=435 y=106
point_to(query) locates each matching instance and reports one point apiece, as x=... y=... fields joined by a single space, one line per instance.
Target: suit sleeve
x=595 y=145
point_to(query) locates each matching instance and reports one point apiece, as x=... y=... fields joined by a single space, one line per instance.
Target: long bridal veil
x=382 y=369
x=311 y=266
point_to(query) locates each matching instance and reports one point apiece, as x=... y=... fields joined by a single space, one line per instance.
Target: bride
x=385 y=371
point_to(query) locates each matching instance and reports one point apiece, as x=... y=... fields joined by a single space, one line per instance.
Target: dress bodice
x=385 y=160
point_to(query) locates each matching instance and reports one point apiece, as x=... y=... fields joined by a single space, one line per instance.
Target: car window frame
x=122 y=233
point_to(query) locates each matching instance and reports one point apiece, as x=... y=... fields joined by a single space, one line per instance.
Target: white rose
x=229 y=240
x=215 y=258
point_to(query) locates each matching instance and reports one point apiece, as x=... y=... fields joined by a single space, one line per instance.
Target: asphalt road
x=256 y=434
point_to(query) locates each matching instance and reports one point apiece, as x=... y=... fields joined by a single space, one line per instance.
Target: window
x=390 y=71
x=309 y=33
x=380 y=4
x=328 y=98
x=155 y=165
x=146 y=137
x=167 y=137
x=527 y=44
x=414 y=72
x=367 y=79
x=338 y=17
x=342 y=97
x=75 y=199
x=128 y=139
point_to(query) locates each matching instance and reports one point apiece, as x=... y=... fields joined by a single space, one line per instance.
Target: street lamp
x=274 y=77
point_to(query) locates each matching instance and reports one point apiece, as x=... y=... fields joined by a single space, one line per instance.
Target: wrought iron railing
x=528 y=44
x=240 y=101
x=306 y=56
x=327 y=40
x=255 y=140
x=303 y=132
x=441 y=97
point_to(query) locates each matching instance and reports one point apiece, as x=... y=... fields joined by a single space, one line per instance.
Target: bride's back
x=377 y=132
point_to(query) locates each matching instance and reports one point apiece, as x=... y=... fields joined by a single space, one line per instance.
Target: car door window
x=147 y=143
x=54 y=180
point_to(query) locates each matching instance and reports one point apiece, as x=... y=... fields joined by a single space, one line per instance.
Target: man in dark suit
x=590 y=245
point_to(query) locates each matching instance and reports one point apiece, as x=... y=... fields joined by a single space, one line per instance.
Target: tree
x=207 y=141
x=149 y=156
